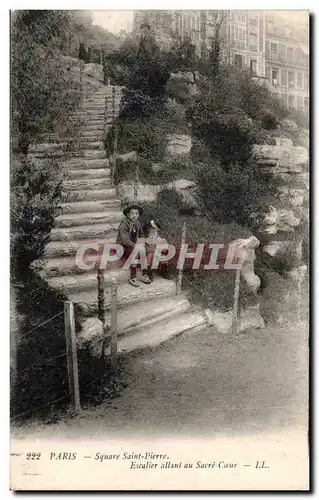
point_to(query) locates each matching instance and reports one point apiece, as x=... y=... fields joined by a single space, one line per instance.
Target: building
x=287 y=62
x=261 y=41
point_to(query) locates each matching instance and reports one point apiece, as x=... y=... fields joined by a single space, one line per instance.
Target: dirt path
x=204 y=384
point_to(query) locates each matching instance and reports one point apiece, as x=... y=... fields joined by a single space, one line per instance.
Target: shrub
x=269 y=120
x=234 y=193
x=36 y=195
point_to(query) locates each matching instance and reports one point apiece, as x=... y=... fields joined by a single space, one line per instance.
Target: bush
x=235 y=193
x=269 y=120
x=36 y=195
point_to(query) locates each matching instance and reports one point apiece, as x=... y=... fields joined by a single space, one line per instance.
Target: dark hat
x=127 y=209
x=145 y=25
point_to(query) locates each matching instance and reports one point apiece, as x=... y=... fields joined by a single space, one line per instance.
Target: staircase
x=147 y=316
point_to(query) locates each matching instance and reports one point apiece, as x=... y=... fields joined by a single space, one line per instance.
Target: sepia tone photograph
x=159 y=250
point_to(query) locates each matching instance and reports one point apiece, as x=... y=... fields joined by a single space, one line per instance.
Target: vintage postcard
x=159 y=180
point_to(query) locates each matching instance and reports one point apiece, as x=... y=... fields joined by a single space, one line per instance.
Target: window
x=299 y=80
x=290 y=53
x=241 y=16
x=299 y=102
x=274 y=47
x=238 y=61
x=253 y=41
x=291 y=79
x=275 y=76
x=270 y=26
x=291 y=101
x=284 y=98
x=306 y=83
x=306 y=103
x=284 y=77
x=253 y=21
x=253 y=67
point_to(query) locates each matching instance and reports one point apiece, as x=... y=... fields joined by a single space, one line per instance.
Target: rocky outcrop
x=149 y=192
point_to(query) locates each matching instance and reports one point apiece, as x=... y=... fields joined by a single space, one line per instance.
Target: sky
x=115 y=20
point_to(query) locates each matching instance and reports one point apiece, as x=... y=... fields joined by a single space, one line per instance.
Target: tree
x=218 y=20
x=41 y=88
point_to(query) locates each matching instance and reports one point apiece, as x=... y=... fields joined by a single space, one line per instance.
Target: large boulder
x=280 y=220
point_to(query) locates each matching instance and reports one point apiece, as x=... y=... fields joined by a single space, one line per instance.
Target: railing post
x=100 y=295
x=180 y=271
x=235 y=321
x=105 y=115
x=71 y=350
x=114 y=325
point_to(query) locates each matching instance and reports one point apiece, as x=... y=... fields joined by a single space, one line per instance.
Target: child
x=129 y=231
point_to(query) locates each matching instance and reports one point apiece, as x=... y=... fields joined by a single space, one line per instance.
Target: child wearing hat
x=129 y=231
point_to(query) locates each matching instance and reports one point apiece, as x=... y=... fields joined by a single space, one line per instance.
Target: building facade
x=259 y=41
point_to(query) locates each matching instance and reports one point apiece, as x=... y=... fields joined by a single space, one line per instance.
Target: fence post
x=114 y=324
x=100 y=295
x=105 y=114
x=235 y=322
x=180 y=271
x=71 y=350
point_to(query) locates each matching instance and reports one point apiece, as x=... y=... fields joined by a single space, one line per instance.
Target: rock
x=280 y=220
x=298 y=273
x=94 y=70
x=157 y=167
x=145 y=192
x=178 y=144
x=181 y=184
x=246 y=254
x=222 y=321
x=286 y=143
x=91 y=330
x=125 y=157
x=288 y=124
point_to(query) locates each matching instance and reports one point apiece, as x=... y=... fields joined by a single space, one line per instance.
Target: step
x=155 y=335
x=55 y=249
x=74 y=219
x=80 y=282
x=88 y=184
x=82 y=163
x=89 y=195
x=69 y=266
x=90 y=206
x=83 y=232
x=66 y=146
x=128 y=295
x=145 y=314
x=96 y=173
x=82 y=153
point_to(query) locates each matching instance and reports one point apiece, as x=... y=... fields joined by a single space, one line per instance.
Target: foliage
x=234 y=193
x=36 y=194
x=41 y=88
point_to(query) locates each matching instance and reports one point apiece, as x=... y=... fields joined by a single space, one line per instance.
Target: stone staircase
x=91 y=212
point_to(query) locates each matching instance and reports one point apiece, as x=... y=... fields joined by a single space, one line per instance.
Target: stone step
x=154 y=335
x=83 y=232
x=89 y=195
x=146 y=314
x=80 y=282
x=80 y=153
x=66 y=146
x=128 y=295
x=88 y=184
x=55 y=249
x=95 y=173
x=69 y=266
x=74 y=219
x=90 y=206
x=89 y=164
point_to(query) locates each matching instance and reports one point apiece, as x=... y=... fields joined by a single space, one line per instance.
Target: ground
x=203 y=384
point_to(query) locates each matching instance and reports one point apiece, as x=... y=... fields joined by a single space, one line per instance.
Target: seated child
x=129 y=231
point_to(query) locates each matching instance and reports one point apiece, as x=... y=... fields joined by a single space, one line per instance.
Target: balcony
x=283 y=59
